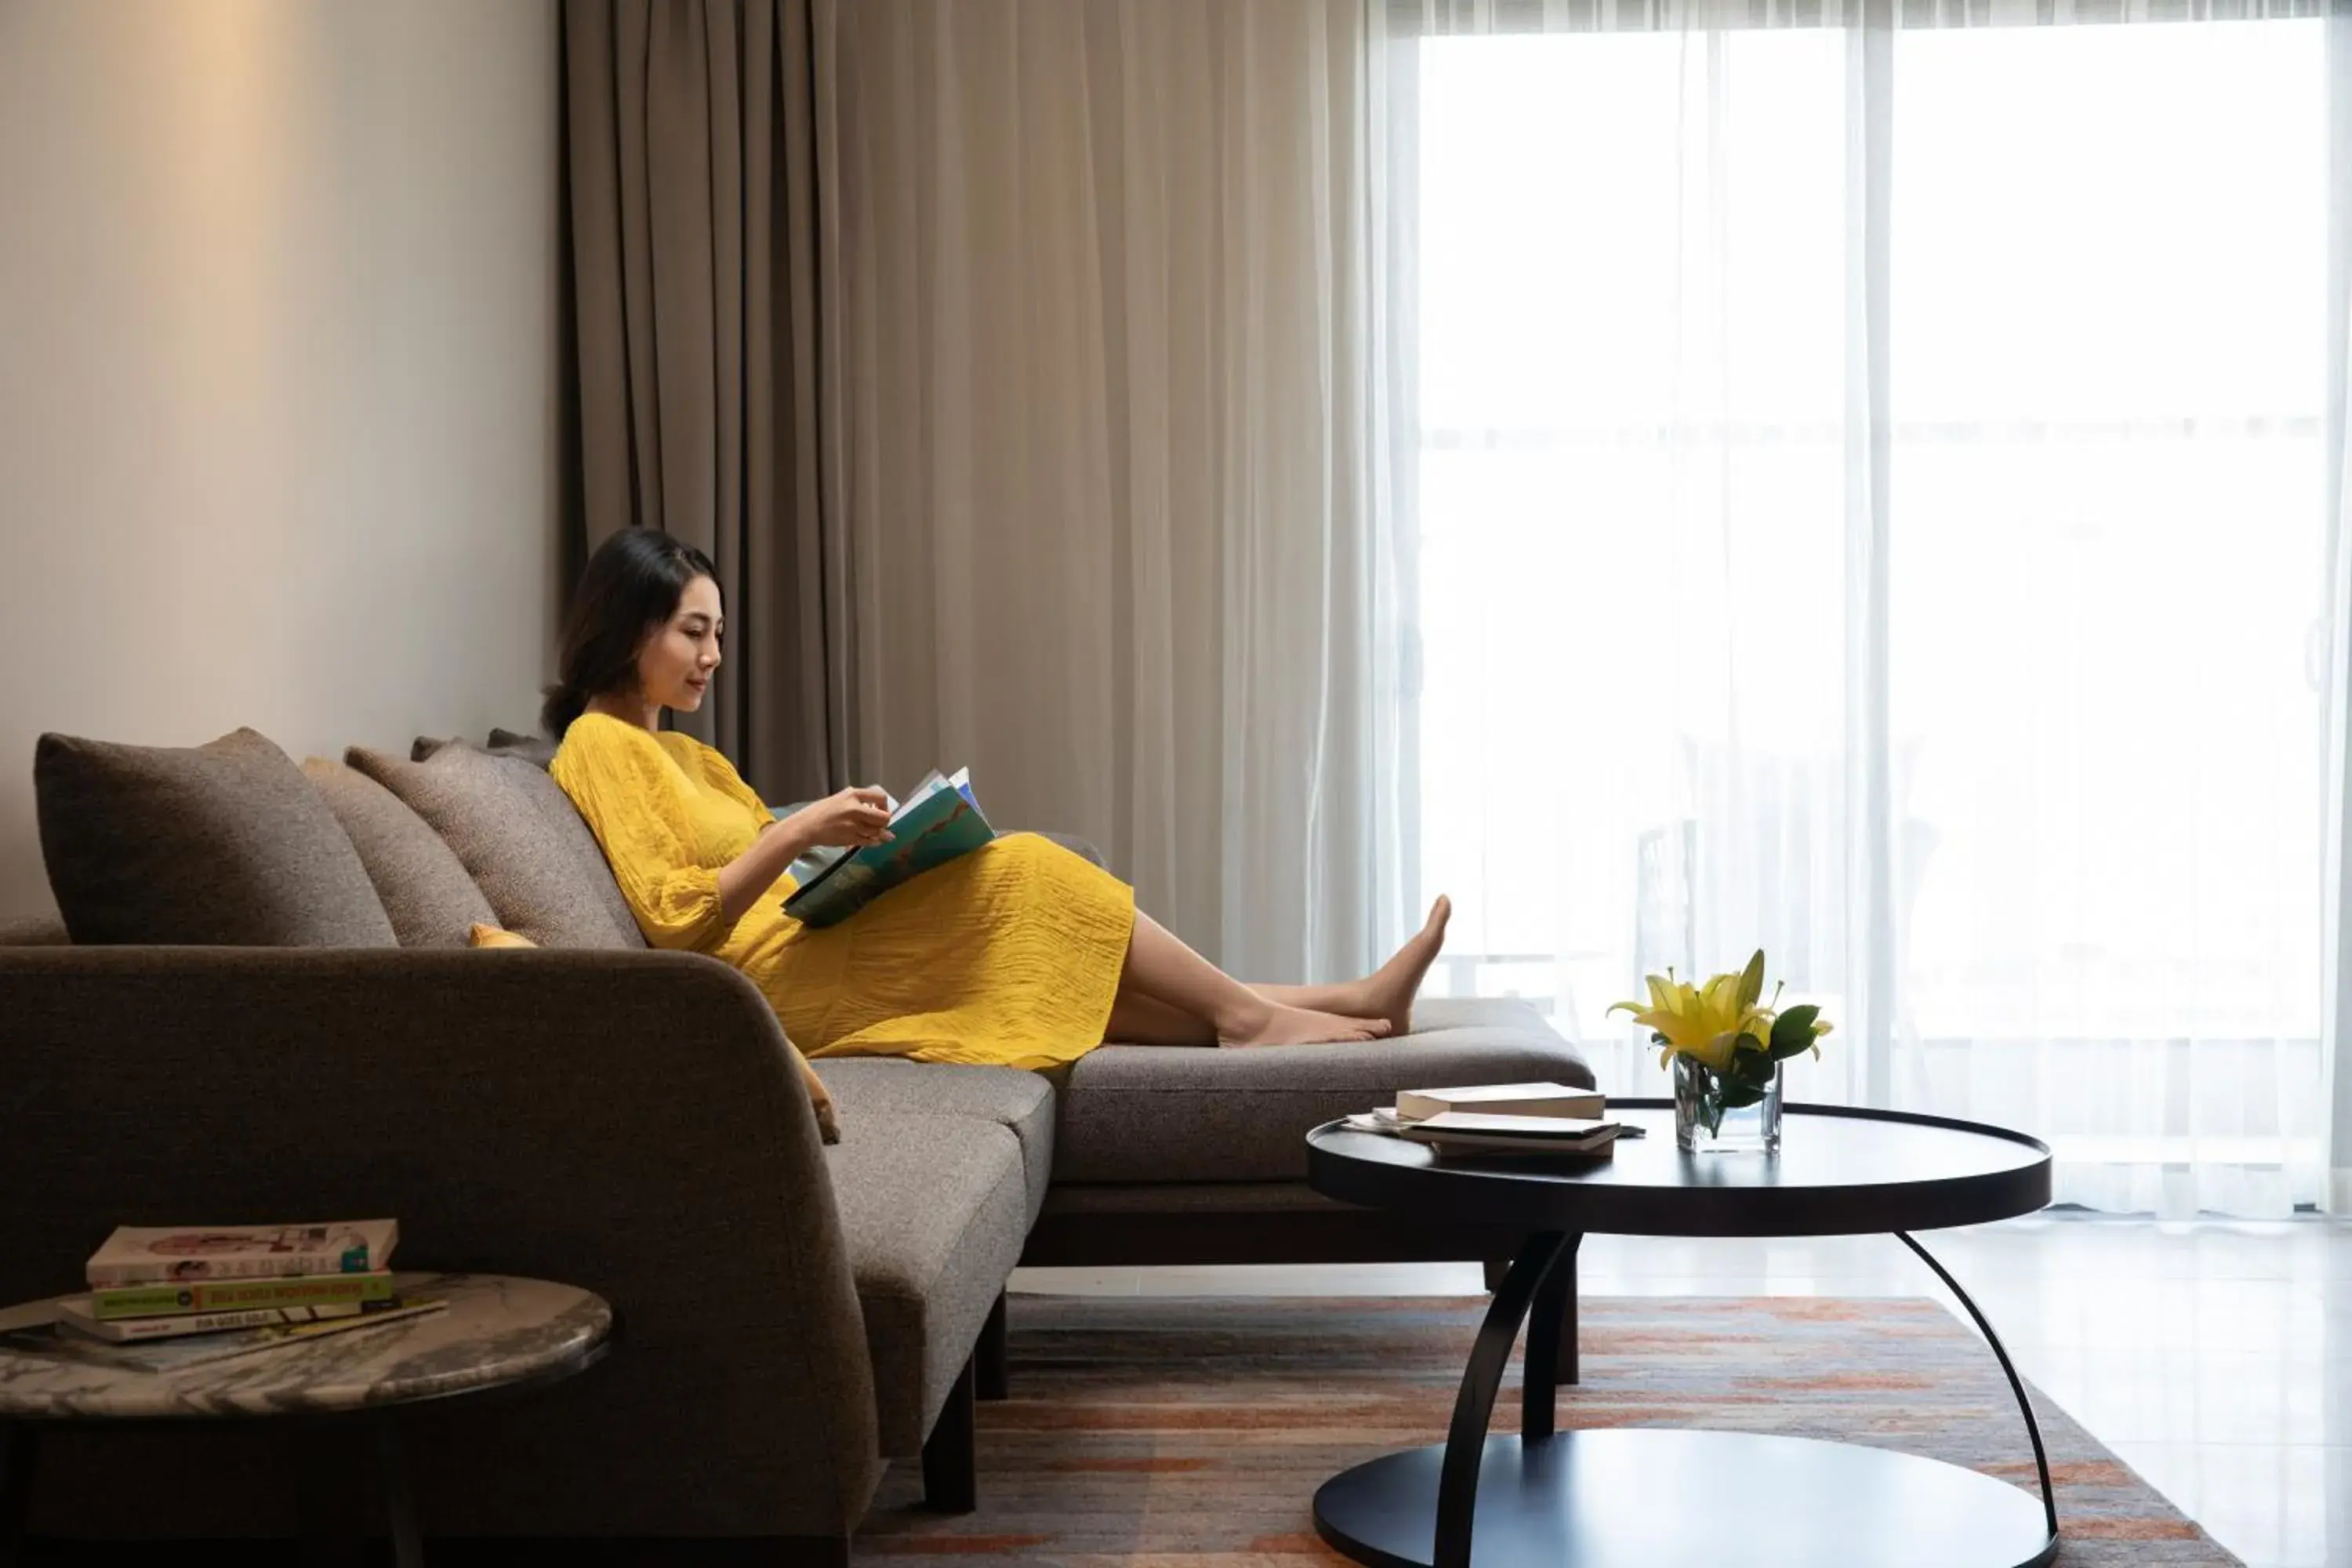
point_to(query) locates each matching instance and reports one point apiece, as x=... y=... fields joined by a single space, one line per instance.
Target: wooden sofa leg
x=1496 y=1269
x=951 y=1453
x=992 y=1375
x=810 y=1551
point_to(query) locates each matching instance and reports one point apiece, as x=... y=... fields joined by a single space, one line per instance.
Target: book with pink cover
x=141 y=1254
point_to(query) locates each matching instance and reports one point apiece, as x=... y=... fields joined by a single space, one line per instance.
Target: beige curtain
x=1109 y=266
x=701 y=157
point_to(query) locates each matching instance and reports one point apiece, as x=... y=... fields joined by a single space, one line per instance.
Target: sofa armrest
x=626 y=1121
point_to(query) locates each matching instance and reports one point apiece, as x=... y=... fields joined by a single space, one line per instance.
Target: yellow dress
x=1008 y=955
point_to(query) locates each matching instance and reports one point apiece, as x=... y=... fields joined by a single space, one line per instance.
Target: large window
x=1870 y=502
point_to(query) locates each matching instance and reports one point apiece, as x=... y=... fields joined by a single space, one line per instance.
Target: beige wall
x=279 y=403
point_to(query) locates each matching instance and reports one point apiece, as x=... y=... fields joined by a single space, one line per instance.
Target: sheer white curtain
x=1867 y=487
x=1107 y=361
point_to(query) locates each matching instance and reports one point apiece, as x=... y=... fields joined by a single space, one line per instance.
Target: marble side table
x=498 y=1333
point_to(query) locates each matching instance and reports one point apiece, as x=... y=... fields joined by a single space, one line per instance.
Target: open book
x=936 y=822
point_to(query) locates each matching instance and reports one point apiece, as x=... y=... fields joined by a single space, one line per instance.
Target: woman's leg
x=1388 y=992
x=1138 y=1020
x=1165 y=971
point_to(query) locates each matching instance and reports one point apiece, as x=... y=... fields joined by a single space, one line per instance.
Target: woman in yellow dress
x=1020 y=954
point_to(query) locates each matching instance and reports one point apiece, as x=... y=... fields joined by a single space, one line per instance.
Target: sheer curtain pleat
x=1108 y=347
x=1849 y=525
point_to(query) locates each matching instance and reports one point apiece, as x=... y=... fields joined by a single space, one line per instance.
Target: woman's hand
x=850 y=820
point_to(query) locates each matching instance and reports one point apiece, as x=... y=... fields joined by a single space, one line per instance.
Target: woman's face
x=674 y=668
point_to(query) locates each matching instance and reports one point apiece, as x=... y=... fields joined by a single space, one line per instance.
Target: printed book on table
x=1463 y=1132
x=146 y=1255
x=241 y=1295
x=938 y=822
x=1501 y=1099
x=167 y=1355
x=78 y=1313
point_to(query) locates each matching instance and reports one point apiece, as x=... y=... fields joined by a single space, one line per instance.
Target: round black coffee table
x=1646 y=1498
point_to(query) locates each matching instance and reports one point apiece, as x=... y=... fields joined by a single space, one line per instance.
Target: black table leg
x=1552 y=1343
x=329 y=1493
x=399 y=1504
x=1474 y=1406
x=19 y=1452
x=2016 y=1384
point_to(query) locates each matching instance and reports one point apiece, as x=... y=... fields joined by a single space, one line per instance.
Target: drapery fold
x=1110 y=372
x=700 y=149
x=1012 y=359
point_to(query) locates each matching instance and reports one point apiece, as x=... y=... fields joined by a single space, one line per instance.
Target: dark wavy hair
x=630 y=588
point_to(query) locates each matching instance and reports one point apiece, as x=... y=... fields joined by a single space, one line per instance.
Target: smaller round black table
x=1647 y=1497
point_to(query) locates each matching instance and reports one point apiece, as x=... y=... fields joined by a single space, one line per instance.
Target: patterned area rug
x=1191 y=1433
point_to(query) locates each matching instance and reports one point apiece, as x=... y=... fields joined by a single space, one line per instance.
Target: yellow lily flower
x=1707 y=1021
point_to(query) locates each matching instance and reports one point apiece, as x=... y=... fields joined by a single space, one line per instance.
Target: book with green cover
x=939 y=822
x=75 y=1313
x=235 y=1295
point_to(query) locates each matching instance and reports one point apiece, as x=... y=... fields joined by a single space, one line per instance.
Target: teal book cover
x=940 y=822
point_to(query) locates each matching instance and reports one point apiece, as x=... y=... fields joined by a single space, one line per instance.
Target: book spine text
x=231 y=1295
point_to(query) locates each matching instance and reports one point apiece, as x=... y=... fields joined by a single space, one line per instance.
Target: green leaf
x=1793 y=1031
x=1739 y=1096
x=1751 y=980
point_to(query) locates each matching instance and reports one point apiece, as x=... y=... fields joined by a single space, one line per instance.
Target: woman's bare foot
x=1280 y=1026
x=1389 y=991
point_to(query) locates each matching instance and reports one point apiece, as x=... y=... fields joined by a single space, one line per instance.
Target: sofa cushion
x=536 y=749
x=521 y=840
x=422 y=885
x=222 y=844
x=932 y=1210
x=1162 y=1113
x=1021 y=1102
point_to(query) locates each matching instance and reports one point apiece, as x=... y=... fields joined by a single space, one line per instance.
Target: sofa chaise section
x=1200 y=1156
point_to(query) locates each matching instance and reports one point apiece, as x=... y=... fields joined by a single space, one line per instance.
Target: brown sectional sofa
x=795 y=1315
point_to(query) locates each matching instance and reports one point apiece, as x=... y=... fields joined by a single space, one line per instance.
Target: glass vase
x=1722 y=1113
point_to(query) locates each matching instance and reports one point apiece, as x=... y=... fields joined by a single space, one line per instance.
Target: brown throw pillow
x=519 y=836
x=225 y=844
x=423 y=884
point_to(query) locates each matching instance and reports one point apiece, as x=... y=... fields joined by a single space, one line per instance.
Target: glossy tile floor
x=2215 y=1357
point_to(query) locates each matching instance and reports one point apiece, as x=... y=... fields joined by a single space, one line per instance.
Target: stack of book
x=1485 y=1119
x=162 y=1299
